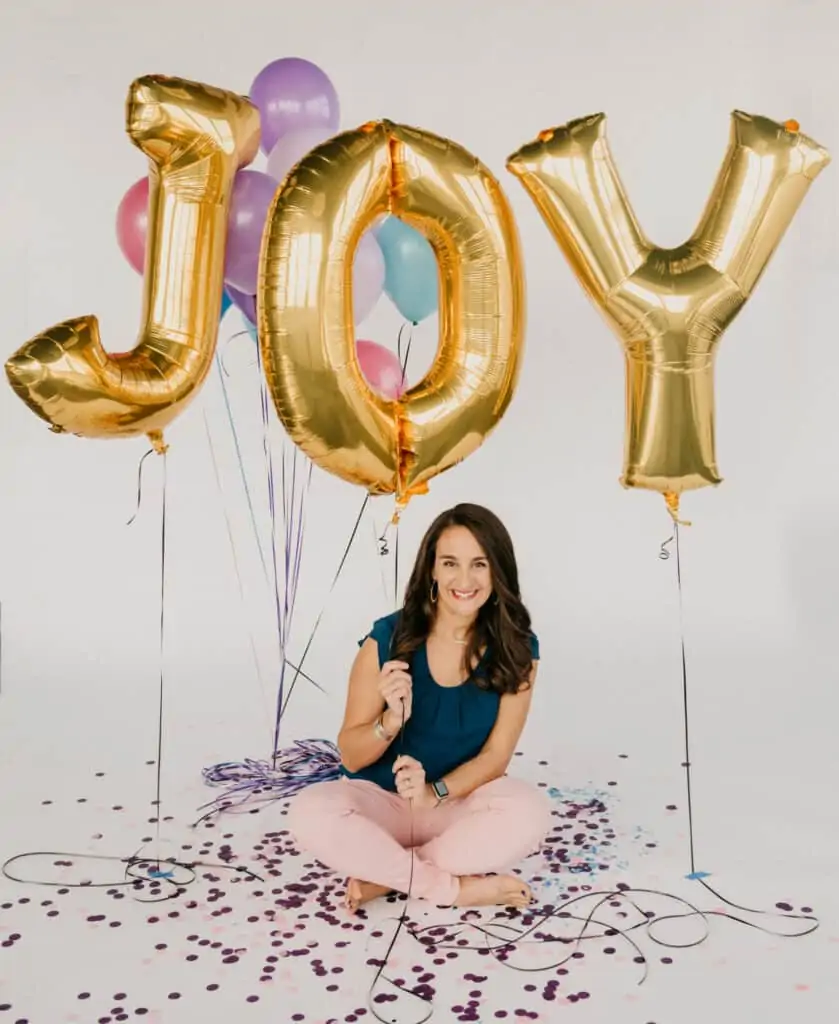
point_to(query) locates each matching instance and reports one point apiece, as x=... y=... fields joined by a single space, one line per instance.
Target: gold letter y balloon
x=196 y=138
x=669 y=306
x=305 y=306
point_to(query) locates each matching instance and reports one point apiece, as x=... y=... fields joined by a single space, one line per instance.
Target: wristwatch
x=441 y=790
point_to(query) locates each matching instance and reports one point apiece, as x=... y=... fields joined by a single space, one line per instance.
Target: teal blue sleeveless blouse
x=448 y=725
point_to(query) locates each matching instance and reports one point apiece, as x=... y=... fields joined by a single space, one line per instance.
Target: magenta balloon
x=253 y=193
x=292 y=93
x=133 y=224
x=368 y=280
x=381 y=368
x=291 y=149
x=246 y=304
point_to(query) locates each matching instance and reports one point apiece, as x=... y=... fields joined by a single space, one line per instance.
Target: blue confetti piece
x=695 y=876
x=161 y=874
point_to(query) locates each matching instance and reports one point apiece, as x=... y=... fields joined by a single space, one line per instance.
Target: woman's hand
x=395 y=689
x=411 y=784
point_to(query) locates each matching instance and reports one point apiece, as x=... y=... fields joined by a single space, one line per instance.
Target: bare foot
x=493 y=891
x=359 y=893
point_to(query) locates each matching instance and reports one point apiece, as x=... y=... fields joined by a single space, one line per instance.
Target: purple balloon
x=291 y=94
x=368 y=280
x=253 y=193
x=291 y=149
x=246 y=304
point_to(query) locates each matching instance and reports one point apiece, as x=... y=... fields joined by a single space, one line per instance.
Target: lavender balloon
x=367 y=286
x=246 y=304
x=368 y=276
x=253 y=193
x=291 y=149
x=291 y=94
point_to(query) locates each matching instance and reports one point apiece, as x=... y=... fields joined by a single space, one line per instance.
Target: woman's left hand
x=410 y=782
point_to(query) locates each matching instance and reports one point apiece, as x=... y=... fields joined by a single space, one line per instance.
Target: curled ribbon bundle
x=304 y=306
x=295 y=768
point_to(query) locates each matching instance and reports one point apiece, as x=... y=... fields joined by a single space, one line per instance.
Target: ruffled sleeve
x=382 y=632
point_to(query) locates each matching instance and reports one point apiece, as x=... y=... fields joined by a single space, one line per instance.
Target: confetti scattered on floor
x=258 y=922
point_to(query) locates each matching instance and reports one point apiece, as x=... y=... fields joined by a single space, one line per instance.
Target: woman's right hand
x=395 y=689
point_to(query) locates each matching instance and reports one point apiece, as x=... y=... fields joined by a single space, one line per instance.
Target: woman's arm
x=358 y=742
x=497 y=752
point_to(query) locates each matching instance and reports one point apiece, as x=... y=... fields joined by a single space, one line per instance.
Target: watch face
x=441 y=789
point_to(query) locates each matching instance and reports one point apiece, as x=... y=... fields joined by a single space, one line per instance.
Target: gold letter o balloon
x=306 y=326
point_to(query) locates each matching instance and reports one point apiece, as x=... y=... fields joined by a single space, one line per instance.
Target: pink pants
x=363 y=831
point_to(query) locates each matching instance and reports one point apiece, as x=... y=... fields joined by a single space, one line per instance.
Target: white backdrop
x=79 y=589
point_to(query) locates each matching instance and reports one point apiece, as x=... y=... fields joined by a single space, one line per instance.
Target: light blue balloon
x=411 y=275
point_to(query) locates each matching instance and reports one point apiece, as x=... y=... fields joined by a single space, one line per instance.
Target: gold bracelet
x=379 y=730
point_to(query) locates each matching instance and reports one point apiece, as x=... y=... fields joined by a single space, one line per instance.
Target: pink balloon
x=368 y=280
x=291 y=149
x=133 y=224
x=381 y=369
x=253 y=193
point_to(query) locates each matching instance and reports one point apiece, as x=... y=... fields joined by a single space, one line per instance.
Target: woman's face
x=461 y=569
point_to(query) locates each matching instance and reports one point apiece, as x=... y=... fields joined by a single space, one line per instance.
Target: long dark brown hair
x=502 y=629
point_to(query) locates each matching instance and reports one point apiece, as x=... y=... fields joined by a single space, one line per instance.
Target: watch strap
x=440 y=789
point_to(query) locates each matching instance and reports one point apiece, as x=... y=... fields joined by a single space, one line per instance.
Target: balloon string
x=161 y=450
x=298 y=669
x=623 y=894
x=294 y=520
x=277 y=766
x=138 y=873
x=403 y=360
x=272 y=509
x=664 y=555
x=236 y=564
x=161 y=690
x=402 y=921
x=233 y=337
x=241 y=462
x=685 y=705
x=140 y=485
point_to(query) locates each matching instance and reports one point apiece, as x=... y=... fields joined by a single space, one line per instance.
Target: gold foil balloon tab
x=196 y=138
x=669 y=307
x=305 y=306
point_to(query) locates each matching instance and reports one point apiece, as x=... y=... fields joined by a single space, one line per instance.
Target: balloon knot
x=156 y=440
x=671 y=500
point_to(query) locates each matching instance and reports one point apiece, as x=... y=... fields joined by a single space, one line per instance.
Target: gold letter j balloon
x=669 y=306
x=196 y=137
x=305 y=306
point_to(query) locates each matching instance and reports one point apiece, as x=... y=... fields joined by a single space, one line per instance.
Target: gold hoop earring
x=432 y=593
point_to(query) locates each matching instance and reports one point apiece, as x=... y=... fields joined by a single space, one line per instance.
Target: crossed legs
x=366 y=833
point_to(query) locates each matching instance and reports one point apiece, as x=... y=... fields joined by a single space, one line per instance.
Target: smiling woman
x=453 y=671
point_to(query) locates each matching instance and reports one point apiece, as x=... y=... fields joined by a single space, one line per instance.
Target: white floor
x=281 y=948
